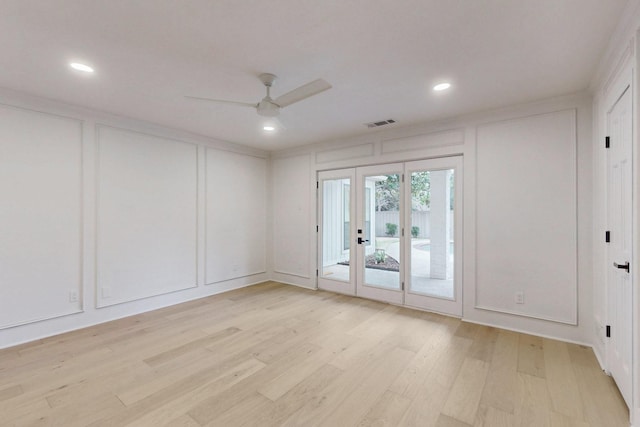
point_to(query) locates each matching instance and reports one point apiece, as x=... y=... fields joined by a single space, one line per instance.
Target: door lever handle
x=361 y=240
x=622 y=266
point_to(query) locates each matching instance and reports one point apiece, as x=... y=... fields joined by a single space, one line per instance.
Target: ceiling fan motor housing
x=267 y=108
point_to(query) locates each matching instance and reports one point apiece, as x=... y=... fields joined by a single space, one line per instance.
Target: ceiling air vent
x=380 y=123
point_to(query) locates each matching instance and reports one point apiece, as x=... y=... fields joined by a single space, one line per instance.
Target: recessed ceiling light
x=269 y=128
x=81 y=67
x=442 y=86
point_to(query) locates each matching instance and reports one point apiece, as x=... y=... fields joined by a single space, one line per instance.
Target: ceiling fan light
x=442 y=86
x=81 y=67
x=269 y=128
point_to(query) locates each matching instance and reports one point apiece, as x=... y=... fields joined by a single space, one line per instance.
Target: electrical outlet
x=519 y=297
x=106 y=292
x=73 y=296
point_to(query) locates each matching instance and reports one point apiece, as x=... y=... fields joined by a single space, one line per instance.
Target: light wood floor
x=273 y=355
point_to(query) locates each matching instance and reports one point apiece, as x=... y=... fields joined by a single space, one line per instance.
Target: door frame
x=356 y=285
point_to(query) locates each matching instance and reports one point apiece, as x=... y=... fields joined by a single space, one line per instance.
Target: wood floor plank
x=562 y=420
x=378 y=325
x=85 y=390
x=309 y=391
x=165 y=356
x=431 y=395
x=464 y=397
x=501 y=389
x=22 y=407
x=438 y=343
x=180 y=396
x=467 y=330
x=247 y=412
x=356 y=405
x=181 y=421
x=274 y=355
x=602 y=402
x=492 y=417
x=535 y=406
x=484 y=343
x=80 y=415
x=446 y=421
x=360 y=350
x=387 y=411
x=9 y=392
x=344 y=387
x=284 y=382
x=561 y=380
x=211 y=407
x=531 y=356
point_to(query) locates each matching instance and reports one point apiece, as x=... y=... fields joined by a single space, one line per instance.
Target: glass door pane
x=382 y=230
x=431 y=226
x=336 y=219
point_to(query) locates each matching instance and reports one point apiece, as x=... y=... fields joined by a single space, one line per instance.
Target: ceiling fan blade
x=305 y=91
x=223 y=101
x=279 y=124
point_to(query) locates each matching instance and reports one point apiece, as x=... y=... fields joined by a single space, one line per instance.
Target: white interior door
x=620 y=265
x=433 y=241
x=379 y=232
x=336 y=231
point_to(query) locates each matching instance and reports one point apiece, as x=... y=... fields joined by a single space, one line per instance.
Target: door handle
x=361 y=240
x=622 y=266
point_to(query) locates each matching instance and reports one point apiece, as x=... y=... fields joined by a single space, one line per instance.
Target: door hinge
x=317 y=273
x=607 y=236
x=402 y=177
x=403 y=286
x=403 y=232
x=606 y=142
x=317 y=185
x=608 y=333
x=317 y=228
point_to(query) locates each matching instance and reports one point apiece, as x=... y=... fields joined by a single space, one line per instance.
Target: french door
x=392 y=232
x=379 y=248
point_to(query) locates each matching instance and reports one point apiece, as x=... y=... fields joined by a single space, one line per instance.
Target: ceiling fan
x=269 y=107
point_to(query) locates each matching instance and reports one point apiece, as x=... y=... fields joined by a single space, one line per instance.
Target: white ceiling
x=382 y=58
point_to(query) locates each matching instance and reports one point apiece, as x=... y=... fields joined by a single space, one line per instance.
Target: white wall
x=147 y=213
x=236 y=221
x=558 y=303
x=526 y=216
x=294 y=228
x=40 y=215
x=126 y=215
